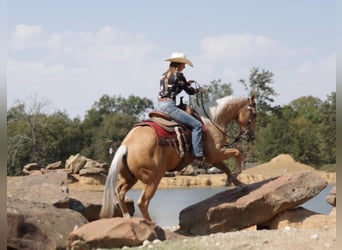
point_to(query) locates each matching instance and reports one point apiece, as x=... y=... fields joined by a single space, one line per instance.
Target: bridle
x=243 y=134
x=247 y=134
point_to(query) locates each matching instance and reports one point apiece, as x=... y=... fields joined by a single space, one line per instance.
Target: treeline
x=305 y=128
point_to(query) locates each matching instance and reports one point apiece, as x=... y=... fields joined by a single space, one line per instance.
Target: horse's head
x=247 y=120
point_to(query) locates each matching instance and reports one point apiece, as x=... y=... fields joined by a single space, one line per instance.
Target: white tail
x=110 y=195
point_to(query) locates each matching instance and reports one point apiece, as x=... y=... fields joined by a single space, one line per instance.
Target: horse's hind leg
x=145 y=198
x=121 y=191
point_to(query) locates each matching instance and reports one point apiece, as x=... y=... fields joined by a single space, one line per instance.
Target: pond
x=166 y=204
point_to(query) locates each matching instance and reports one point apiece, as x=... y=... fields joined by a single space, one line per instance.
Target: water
x=166 y=204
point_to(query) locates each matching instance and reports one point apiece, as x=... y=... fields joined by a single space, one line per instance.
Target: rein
x=227 y=144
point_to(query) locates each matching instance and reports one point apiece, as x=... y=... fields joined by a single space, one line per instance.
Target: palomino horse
x=141 y=158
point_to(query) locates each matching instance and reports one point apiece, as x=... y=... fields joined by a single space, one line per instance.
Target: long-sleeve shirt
x=175 y=84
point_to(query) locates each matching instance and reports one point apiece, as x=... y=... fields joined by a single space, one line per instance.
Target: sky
x=71 y=53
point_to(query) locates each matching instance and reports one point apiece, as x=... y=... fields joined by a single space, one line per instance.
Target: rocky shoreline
x=69 y=197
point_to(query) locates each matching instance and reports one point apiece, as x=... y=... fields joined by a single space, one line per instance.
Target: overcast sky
x=73 y=52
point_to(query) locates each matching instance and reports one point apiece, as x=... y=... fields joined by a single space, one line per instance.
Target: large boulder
x=75 y=162
x=54 y=166
x=300 y=218
x=114 y=233
x=79 y=164
x=34 y=225
x=239 y=208
x=50 y=188
x=331 y=198
x=32 y=168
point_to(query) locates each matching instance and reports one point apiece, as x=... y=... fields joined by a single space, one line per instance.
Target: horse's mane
x=215 y=108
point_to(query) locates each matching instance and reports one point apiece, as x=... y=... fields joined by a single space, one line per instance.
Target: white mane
x=215 y=108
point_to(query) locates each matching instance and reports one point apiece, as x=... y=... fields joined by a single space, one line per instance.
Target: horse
x=140 y=157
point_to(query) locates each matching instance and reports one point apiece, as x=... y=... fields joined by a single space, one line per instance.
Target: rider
x=172 y=83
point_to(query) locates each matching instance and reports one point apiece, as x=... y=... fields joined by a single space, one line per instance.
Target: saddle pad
x=164 y=137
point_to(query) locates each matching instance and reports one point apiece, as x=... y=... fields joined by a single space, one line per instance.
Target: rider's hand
x=190 y=82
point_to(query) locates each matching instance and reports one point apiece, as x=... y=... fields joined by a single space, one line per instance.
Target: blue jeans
x=170 y=108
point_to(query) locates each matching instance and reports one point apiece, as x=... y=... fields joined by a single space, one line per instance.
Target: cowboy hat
x=179 y=58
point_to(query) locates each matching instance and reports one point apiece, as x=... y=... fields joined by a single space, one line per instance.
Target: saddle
x=170 y=132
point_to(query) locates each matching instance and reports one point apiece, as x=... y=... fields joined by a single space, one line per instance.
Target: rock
x=28 y=168
x=34 y=225
x=300 y=218
x=237 y=208
x=50 y=188
x=114 y=233
x=75 y=163
x=55 y=165
x=188 y=170
x=91 y=179
x=78 y=164
x=280 y=165
x=289 y=218
x=331 y=198
x=91 y=164
x=89 y=204
x=92 y=171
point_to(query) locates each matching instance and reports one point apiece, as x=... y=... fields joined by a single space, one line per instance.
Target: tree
x=23 y=123
x=34 y=136
x=274 y=139
x=214 y=90
x=259 y=84
x=327 y=130
x=133 y=107
x=294 y=130
x=110 y=134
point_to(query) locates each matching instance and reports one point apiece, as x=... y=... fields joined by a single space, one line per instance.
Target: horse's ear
x=252 y=98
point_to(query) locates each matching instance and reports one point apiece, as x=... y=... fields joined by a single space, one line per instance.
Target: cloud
x=242 y=46
x=32 y=69
x=107 y=45
x=26 y=36
x=112 y=61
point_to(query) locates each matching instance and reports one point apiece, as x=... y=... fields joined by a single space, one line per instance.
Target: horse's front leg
x=232 y=177
x=233 y=152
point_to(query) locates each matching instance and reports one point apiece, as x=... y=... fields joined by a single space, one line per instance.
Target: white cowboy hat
x=179 y=58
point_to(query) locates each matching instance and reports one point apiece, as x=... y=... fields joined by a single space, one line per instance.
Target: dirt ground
x=285 y=239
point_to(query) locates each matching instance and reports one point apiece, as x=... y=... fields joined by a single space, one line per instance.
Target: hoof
x=230 y=180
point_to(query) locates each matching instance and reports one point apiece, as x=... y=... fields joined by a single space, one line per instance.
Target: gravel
x=284 y=239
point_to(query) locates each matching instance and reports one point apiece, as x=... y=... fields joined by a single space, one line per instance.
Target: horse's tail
x=110 y=194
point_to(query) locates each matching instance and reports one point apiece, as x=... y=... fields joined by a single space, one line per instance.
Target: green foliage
x=113 y=109
x=214 y=90
x=36 y=137
x=109 y=134
x=327 y=130
x=305 y=128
